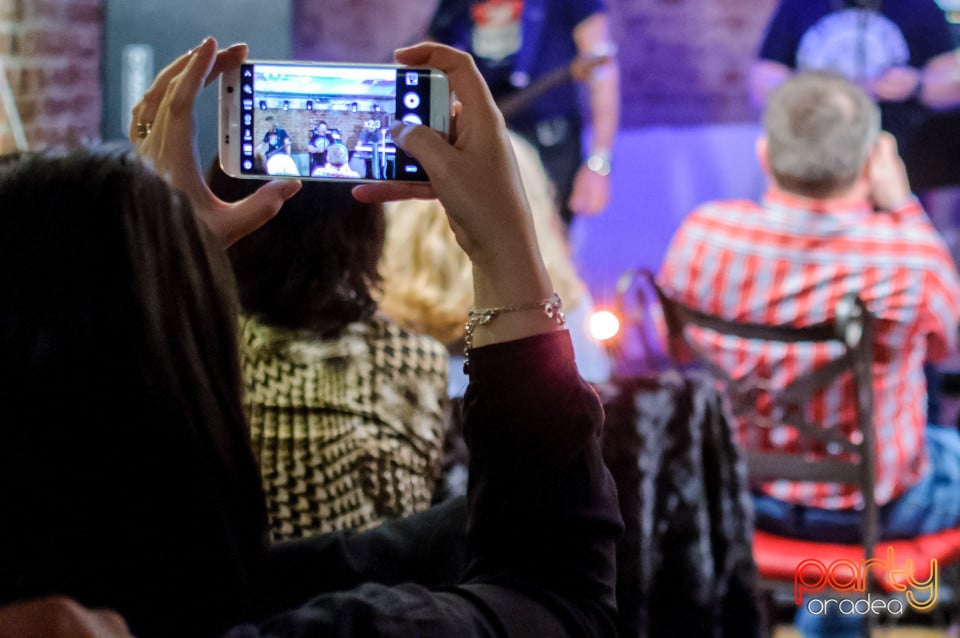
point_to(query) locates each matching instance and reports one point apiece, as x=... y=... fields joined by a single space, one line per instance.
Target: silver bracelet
x=551 y=307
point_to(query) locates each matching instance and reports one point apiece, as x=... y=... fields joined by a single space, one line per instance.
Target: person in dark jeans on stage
x=320 y=140
x=516 y=44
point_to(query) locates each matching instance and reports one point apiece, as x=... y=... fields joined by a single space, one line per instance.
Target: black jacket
x=685 y=565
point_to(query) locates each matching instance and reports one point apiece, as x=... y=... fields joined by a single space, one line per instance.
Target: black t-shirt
x=517 y=41
x=275 y=141
x=861 y=44
x=321 y=142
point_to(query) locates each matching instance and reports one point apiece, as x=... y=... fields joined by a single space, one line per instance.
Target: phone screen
x=329 y=121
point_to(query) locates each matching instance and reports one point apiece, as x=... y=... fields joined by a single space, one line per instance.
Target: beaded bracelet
x=551 y=307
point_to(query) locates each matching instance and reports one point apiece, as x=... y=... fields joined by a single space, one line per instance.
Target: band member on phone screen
x=274 y=150
x=372 y=148
x=275 y=140
x=320 y=140
x=517 y=44
x=338 y=163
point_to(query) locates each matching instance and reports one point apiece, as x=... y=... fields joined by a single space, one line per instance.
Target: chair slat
x=790 y=467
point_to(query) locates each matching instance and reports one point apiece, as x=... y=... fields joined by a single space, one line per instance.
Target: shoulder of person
x=389 y=330
x=721 y=209
x=259 y=339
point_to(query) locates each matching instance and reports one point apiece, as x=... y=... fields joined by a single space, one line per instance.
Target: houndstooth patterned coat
x=347 y=431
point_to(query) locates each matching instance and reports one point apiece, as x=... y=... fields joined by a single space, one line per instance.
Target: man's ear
x=762 y=157
x=866 y=168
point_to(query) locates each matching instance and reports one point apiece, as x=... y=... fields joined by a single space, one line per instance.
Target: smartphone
x=326 y=121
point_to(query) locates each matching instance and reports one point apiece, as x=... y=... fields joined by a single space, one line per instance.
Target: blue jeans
x=933 y=504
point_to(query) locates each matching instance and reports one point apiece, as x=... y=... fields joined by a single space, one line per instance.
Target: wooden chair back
x=834 y=457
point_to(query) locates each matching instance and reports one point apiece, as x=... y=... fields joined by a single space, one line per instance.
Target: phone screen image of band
x=329 y=121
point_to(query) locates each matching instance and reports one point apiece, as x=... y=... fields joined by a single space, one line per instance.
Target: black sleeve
x=782 y=36
x=543 y=507
x=936 y=36
x=429 y=548
x=542 y=517
x=450 y=21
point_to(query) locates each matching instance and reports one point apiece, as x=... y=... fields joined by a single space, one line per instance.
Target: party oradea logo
x=843 y=585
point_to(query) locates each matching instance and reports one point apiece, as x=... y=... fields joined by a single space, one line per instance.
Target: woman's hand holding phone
x=162 y=131
x=475 y=176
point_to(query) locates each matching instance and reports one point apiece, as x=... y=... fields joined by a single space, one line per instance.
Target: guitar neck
x=517 y=101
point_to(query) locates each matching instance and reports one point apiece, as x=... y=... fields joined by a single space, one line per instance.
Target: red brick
x=28 y=108
x=14 y=42
x=11 y=10
x=52 y=56
x=53 y=42
x=48 y=8
x=26 y=80
x=7 y=143
x=85 y=12
x=74 y=74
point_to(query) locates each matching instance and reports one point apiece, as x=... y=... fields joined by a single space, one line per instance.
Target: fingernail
x=292 y=186
x=198 y=47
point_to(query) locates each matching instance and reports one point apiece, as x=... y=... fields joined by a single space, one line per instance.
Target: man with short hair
x=838 y=218
x=275 y=140
x=320 y=140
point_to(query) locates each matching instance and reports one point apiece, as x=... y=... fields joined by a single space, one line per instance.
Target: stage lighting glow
x=604 y=325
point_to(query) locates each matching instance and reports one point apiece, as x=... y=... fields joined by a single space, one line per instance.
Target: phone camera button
x=411 y=100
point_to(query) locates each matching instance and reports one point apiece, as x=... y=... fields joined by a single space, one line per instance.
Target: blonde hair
x=427 y=278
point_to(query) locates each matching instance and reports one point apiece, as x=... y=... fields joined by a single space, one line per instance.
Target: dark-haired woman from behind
x=345 y=407
x=125 y=473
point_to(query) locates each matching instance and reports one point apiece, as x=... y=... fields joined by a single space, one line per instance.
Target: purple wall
x=660 y=174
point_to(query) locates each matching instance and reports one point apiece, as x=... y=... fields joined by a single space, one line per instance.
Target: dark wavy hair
x=314 y=265
x=128 y=477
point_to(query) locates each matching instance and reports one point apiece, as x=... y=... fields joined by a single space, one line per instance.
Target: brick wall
x=50 y=52
x=358 y=31
x=683 y=61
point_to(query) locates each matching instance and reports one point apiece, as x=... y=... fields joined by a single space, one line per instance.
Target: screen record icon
x=411 y=100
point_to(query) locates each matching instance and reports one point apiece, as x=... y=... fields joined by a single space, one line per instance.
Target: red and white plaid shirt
x=787 y=262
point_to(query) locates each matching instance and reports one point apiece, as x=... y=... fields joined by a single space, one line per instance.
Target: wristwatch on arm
x=599 y=161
